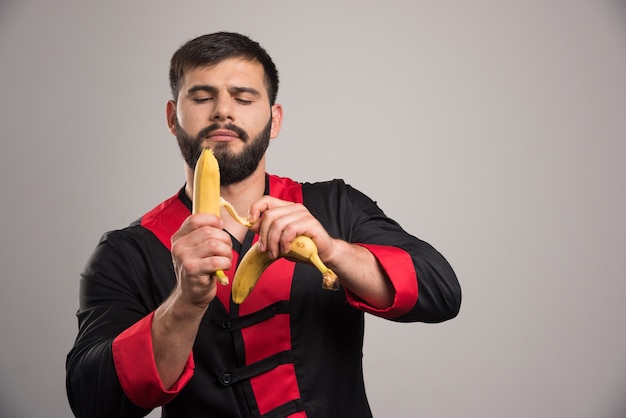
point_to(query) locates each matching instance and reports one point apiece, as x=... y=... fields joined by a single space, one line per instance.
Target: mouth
x=222 y=135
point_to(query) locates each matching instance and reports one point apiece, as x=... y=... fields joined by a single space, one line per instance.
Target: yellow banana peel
x=206 y=192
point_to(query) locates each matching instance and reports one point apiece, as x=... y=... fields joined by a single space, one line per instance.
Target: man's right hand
x=199 y=248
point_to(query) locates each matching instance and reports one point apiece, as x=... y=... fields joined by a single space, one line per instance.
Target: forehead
x=231 y=72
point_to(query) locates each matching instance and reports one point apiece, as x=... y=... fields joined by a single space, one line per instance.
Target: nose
x=223 y=109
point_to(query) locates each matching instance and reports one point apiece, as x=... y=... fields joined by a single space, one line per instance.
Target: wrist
x=338 y=250
x=177 y=310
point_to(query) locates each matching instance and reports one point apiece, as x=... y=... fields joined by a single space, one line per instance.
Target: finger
x=190 y=251
x=268 y=222
x=196 y=221
x=281 y=225
x=282 y=231
x=262 y=205
x=204 y=261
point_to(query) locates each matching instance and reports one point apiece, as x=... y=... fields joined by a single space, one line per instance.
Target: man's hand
x=199 y=248
x=278 y=222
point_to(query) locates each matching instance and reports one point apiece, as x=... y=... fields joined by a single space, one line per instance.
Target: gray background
x=494 y=130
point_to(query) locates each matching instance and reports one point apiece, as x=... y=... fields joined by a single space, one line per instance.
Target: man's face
x=224 y=107
x=234 y=167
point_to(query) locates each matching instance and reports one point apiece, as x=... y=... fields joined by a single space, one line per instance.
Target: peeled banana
x=255 y=262
x=206 y=192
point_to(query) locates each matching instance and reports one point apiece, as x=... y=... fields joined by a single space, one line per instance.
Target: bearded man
x=156 y=330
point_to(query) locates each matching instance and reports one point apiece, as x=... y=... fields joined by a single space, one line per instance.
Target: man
x=155 y=328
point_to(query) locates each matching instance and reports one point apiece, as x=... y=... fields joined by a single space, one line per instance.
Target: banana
x=206 y=192
x=254 y=262
x=207 y=199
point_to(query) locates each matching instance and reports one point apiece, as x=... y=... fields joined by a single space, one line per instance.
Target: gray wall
x=494 y=130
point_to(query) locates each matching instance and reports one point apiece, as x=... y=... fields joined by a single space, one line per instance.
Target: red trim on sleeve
x=136 y=369
x=399 y=267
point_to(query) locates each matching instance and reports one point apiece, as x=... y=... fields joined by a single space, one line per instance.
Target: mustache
x=229 y=126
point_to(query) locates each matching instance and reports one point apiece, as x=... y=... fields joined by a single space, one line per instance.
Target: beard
x=233 y=167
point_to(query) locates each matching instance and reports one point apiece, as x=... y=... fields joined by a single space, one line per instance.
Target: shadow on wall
x=620 y=412
x=7 y=408
x=621 y=6
x=6 y=9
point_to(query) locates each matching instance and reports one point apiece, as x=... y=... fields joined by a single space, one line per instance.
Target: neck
x=241 y=195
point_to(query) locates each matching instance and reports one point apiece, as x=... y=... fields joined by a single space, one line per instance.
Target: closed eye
x=202 y=99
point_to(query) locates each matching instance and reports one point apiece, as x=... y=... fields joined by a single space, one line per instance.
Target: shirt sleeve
x=426 y=287
x=136 y=368
x=398 y=266
x=124 y=281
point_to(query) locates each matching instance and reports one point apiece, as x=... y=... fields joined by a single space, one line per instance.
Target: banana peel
x=206 y=192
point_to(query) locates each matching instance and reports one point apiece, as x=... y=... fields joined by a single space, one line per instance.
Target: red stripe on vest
x=276 y=387
x=279 y=385
x=165 y=219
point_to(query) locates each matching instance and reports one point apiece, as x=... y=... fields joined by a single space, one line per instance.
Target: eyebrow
x=212 y=89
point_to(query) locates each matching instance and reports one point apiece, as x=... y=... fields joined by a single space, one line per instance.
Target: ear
x=170 y=114
x=277 y=120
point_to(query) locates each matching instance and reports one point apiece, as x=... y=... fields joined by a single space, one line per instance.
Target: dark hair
x=211 y=49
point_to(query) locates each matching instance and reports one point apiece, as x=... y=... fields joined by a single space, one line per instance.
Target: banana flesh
x=254 y=263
